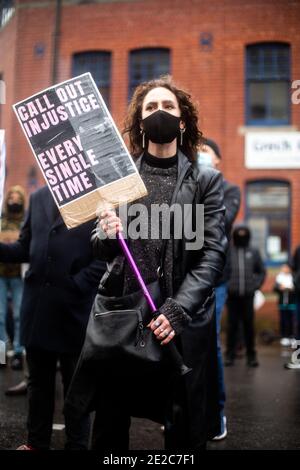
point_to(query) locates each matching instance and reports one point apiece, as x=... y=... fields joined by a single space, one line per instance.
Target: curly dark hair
x=192 y=137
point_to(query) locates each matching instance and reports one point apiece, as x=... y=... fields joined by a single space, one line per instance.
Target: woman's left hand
x=162 y=329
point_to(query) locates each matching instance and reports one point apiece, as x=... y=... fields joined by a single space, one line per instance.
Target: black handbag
x=117 y=329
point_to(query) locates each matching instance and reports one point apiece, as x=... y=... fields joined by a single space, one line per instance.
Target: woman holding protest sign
x=162 y=124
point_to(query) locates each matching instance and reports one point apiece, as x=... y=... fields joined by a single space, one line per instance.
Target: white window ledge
x=242 y=130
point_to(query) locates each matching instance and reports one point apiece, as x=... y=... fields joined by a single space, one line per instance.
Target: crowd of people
x=68 y=272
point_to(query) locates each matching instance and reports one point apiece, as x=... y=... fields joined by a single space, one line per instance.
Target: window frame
x=266 y=182
x=146 y=51
x=101 y=53
x=267 y=121
x=6 y=12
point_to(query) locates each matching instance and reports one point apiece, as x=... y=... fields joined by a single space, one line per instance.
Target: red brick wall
x=25 y=73
x=7 y=70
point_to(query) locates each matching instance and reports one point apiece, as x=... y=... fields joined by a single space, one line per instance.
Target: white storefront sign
x=272 y=150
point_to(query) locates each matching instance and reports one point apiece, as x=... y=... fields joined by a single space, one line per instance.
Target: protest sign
x=2 y=167
x=79 y=149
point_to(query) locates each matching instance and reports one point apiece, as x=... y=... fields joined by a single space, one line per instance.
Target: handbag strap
x=183 y=172
x=159 y=271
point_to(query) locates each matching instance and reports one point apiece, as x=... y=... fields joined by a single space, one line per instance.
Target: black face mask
x=15 y=208
x=161 y=127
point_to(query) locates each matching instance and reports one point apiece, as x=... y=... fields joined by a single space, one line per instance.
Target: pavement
x=262 y=409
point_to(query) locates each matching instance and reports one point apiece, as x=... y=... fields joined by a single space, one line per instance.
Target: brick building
x=238 y=58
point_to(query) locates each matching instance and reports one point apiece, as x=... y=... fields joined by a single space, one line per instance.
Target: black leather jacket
x=195 y=272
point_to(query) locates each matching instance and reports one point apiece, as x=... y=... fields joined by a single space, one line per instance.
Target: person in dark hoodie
x=10 y=274
x=247 y=275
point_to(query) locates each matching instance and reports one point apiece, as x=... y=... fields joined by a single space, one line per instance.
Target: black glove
x=177 y=317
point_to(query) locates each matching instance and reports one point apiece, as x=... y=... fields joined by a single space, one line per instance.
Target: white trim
x=243 y=130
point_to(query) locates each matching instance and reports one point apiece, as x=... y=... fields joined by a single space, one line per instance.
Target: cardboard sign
x=79 y=149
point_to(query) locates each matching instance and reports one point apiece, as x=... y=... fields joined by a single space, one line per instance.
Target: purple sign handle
x=136 y=271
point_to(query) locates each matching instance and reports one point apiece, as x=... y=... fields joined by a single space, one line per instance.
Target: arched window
x=267 y=84
x=99 y=64
x=146 y=64
x=268 y=215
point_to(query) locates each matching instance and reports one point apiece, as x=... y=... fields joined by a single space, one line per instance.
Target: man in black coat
x=247 y=275
x=59 y=289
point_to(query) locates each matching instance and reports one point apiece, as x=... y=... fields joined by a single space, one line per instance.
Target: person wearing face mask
x=247 y=275
x=209 y=154
x=162 y=126
x=10 y=274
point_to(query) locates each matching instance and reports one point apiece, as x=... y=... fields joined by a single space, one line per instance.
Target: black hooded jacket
x=247 y=268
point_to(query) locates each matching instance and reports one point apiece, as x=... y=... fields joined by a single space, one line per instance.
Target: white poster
x=272 y=150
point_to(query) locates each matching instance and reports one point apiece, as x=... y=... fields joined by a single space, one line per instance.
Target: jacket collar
x=183 y=162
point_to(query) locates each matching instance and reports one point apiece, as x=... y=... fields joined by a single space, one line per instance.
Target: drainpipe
x=56 y=38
